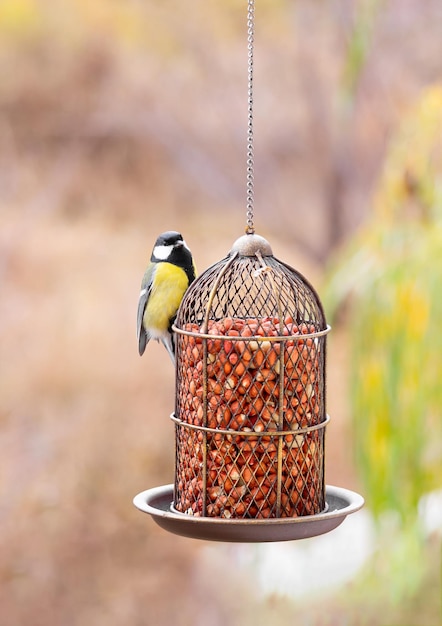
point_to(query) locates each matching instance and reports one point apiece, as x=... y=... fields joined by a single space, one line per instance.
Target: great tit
x=170 y=271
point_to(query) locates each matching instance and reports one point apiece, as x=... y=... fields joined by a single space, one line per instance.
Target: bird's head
x=171 y=247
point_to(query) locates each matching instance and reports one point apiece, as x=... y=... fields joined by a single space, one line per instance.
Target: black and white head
x=170 y=247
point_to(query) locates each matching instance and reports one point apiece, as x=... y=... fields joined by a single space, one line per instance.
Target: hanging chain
x=250 y=229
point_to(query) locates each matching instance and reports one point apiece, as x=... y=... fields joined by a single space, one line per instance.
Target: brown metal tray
x=158 y=503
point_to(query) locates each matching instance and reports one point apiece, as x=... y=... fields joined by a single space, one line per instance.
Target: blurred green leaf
x=393 y=272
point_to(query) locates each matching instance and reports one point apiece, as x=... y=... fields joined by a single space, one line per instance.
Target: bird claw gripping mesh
x=250 y=404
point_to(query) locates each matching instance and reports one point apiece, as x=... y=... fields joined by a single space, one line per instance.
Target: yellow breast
x=169 y=285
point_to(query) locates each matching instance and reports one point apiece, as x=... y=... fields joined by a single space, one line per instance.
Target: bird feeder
x=250 y=403
x=250 y=414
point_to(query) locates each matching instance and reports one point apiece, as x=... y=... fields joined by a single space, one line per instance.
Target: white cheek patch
x=162 y=252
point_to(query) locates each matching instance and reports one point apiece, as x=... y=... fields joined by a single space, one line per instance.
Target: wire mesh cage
x=250 y=412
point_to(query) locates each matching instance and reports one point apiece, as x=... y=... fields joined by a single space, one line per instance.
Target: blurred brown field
x=119 y=121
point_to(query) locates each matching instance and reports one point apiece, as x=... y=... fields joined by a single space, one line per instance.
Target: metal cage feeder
x=250 y=412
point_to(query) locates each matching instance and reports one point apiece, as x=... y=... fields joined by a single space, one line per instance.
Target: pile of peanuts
x=249 y=378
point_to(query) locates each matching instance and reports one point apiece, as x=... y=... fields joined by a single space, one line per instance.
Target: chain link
x=250 y=229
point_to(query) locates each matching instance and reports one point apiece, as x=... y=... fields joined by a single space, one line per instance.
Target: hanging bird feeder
x=250 y=407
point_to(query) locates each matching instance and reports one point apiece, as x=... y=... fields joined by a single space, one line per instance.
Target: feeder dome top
x=251 y=283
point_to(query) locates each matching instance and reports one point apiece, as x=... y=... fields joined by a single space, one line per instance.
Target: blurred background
x=119 y=120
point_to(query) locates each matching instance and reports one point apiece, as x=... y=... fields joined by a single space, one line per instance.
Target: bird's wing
x=146 y=290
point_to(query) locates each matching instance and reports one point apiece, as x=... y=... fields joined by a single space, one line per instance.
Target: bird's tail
x=169 y=344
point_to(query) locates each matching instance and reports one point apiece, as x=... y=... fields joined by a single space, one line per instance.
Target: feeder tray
x=157 y=502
